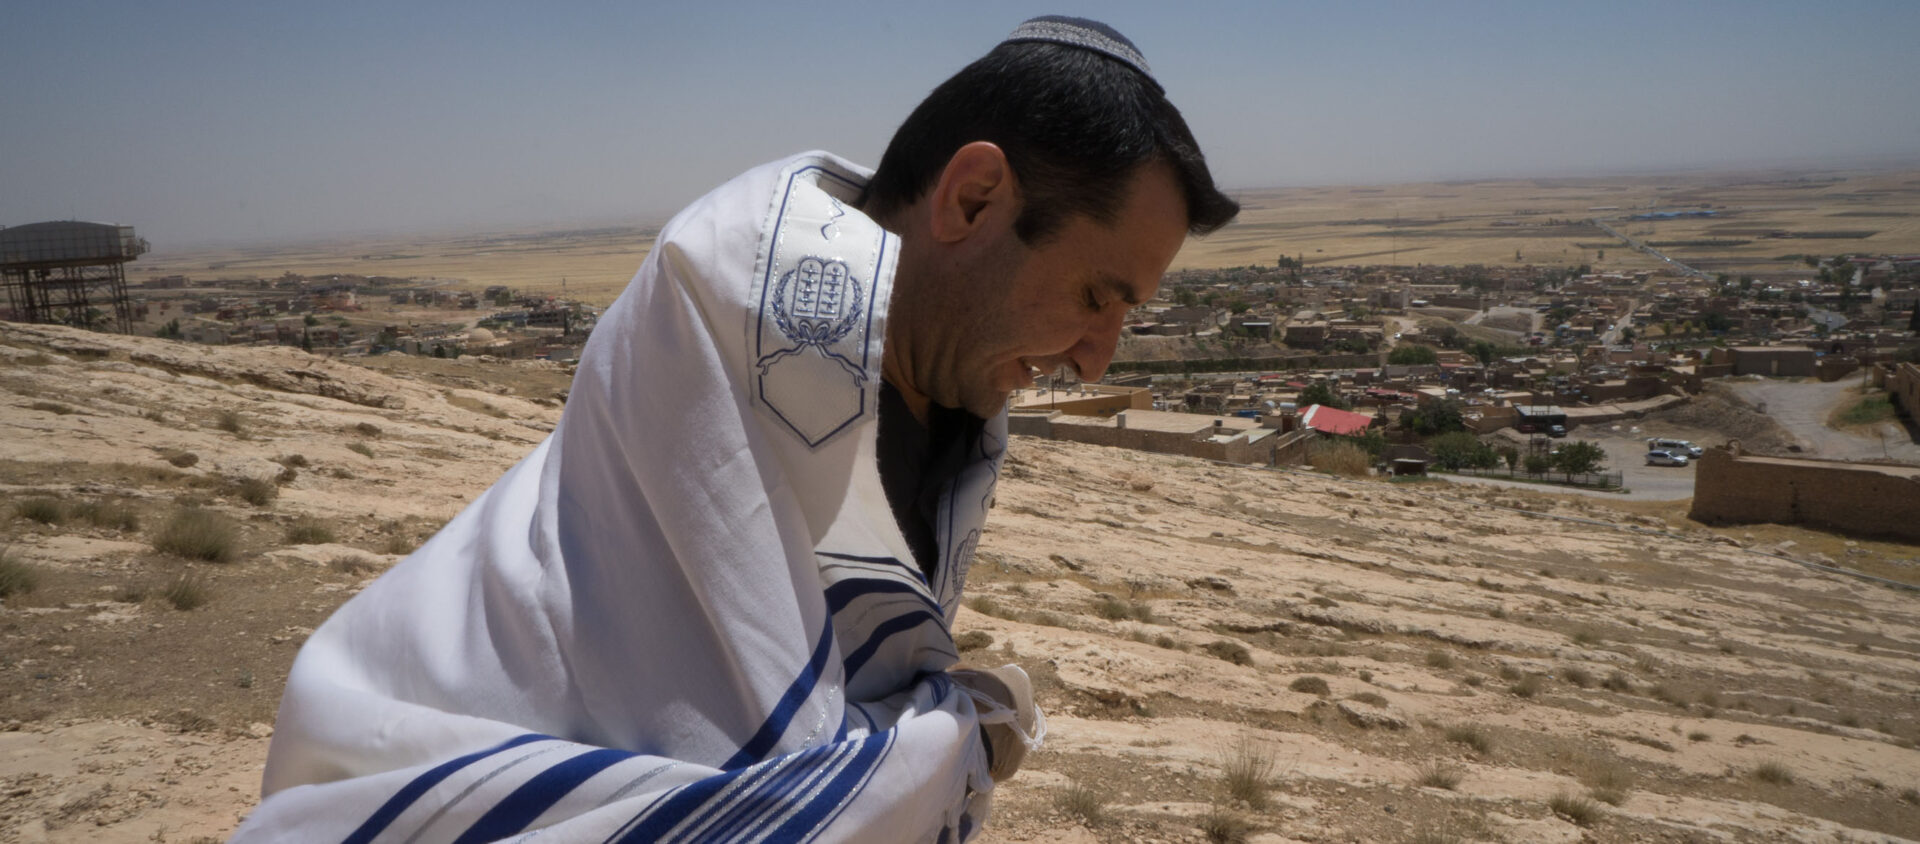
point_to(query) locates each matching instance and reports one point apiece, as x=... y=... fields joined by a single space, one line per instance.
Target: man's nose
x=1094 y=351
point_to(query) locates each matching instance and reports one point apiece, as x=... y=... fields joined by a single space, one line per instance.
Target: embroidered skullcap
x=1087 y=35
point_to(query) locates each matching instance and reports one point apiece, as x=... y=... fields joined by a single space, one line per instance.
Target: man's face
x=1027 y=311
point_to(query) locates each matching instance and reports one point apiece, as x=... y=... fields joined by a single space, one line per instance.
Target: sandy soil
x=1486 y=665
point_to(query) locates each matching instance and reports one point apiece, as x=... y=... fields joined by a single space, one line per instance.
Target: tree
x=1319 y=392
x=1186 y=297
x=1413 y=354
x=310 y=321
x=1578 y=458
x=1538 y=464
x=1434 y=416
x=1462 y=450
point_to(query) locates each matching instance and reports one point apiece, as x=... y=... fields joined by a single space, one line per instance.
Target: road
x=1683 y=268
x=1802 y=408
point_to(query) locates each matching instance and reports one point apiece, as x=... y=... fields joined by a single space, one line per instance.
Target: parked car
x=1556 y=430
x=1666 y=458
x=1675 y=447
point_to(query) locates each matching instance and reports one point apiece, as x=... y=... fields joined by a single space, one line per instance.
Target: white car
x=1664 y=458
x=1675 y=447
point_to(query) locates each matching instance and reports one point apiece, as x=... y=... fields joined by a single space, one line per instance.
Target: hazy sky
x=213 y=121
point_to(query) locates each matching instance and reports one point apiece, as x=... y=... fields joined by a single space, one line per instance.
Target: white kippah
x=1087 y=35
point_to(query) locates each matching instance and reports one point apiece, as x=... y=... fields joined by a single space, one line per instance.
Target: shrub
x=361 y=449
x=973 y=640
x=255 y=491
x=1471 y=736
x=1112 y=609
x=16 y=577
x=367 y=429
x=230 y=421
x=1247 y=773
x=198 y=535
x=352 y=564
x=1369 y=698
x=1222 y=825
x=1618 y=681
x=1082 y=801
x=308 y=530
x=1772 y=772
x=46 y=511
x=1437 y=774
x=1439 y=659
x=1310 y=685
x=1230 y=651
x=1339 y=458
x=1579 y=810
x=52 y=407
x=1528 y=686
x=293 y=461
x=189 y=591
x=1699 y=735
x=1577 y=676
x=183 y=459
x=113 y=515
x=1165 y=641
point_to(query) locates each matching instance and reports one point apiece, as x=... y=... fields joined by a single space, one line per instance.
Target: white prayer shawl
x=689 y=614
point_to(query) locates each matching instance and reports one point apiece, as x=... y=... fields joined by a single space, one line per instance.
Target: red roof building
x=1332 y=420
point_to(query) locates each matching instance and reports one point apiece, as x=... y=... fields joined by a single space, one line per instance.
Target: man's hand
x=1010 y=724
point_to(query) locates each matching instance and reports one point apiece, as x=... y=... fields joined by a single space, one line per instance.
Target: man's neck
x=894 y=372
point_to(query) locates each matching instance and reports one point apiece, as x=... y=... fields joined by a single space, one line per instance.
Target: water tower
x=69 y=273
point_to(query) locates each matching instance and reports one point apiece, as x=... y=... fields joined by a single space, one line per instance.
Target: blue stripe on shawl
x=790 y=777
x=405 y=797
x=820 y=812
x=537 y=795
x=665 y=813
x=839 y=595
x=901 y=623
x=775 y=726
x=878 y=561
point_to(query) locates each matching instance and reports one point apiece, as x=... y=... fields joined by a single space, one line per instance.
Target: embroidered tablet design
x=812 y=351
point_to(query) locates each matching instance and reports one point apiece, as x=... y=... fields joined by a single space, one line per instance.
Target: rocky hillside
x=1224 y=653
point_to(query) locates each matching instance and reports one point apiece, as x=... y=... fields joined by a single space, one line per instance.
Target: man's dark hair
x=1074 y=124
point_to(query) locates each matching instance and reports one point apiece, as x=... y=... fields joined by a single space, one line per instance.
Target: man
x=715 y=604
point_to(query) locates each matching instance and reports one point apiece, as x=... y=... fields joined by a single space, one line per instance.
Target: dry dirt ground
x=1224 y=653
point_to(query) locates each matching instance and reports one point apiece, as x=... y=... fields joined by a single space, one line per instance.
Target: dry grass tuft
x=198 y=535
x=1437 y=774
x=232 y=422
x=367 y=429
x=1580 y=810
x=353 y=564
x=46 y=511
x=308 y=530
x=1339 y=458
x=16 y=577
x=1472 y=736
x=1230 y=651
x=1222 y=825
x=255 y=491
x=1082 y=801
x=187 y=592
x=1248 y=772
x=1528 y=686
x=112 y=515
x=183 y=459
x=1310 y=685
x=1370 y=698
x=53 y=407
x=1772 y=772
x=1439 y=659
x=361 y=449
x=1578 y=676
x=973 y=640
x=1618 y=681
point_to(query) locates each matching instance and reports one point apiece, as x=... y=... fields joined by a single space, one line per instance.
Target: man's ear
x=976 y=191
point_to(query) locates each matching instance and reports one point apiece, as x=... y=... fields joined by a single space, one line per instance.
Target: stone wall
x=1854 y=498
x=1903 y=384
